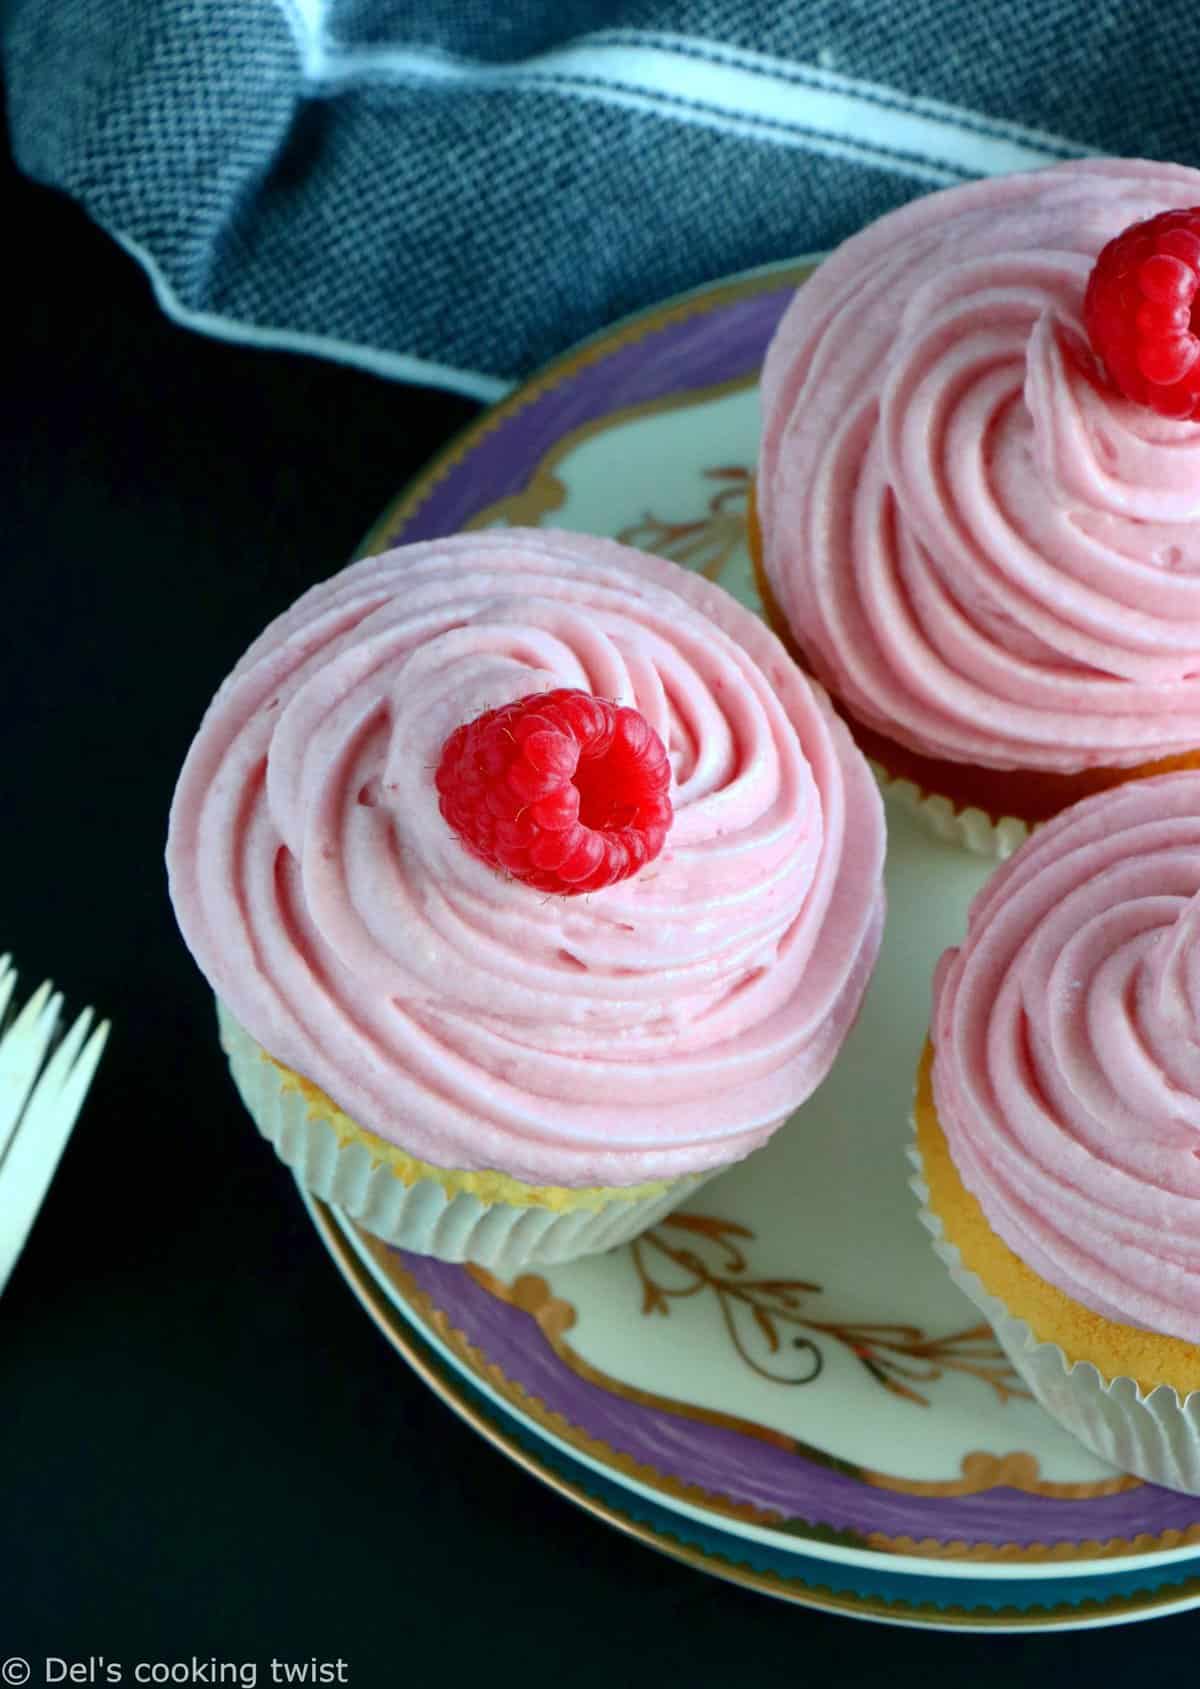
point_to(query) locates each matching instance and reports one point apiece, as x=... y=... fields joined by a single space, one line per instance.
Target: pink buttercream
x=662 y=1026
x=1067 y=1053
x=986 y=556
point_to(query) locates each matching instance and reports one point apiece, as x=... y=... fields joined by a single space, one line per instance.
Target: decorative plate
x=786 y=1362
x=875 y=1592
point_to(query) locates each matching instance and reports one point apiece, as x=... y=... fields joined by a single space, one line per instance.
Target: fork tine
x=21 y=1052
x=8 y=981
x=28 y=1166
x=75 y=1083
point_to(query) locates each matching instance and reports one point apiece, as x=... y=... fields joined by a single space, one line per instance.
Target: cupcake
x=978 y=518
x=1058 y=1120
x=534 y=883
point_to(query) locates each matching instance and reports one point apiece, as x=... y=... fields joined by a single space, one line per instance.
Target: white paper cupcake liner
x=422 y=1216
x=971 y=829
x=1154 y=1434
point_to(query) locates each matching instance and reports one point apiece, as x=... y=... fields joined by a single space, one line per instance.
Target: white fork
x=39 y=1102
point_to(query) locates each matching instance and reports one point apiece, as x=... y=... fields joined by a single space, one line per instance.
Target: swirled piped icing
x=664 y=1025
x=983 y=552
x=1066 y=1073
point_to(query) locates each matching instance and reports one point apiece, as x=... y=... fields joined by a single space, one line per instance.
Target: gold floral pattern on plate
x=706 y=542
x=896 y=1356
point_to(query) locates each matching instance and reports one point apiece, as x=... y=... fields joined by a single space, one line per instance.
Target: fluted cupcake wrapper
x=423 y=1216
x=970 y=828
x=1154 y=1434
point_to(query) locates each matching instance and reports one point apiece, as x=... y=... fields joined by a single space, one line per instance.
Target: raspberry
x=564 y=791
x=1141 y=312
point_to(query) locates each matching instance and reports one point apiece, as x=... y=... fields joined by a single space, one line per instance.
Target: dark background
x=206 y=1448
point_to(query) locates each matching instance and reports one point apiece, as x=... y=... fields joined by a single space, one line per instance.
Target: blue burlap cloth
x=452 y=190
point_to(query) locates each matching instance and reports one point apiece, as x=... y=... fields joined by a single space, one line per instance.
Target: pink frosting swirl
x=664 y=1025
x=1067 y=1053
x=986 y=556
